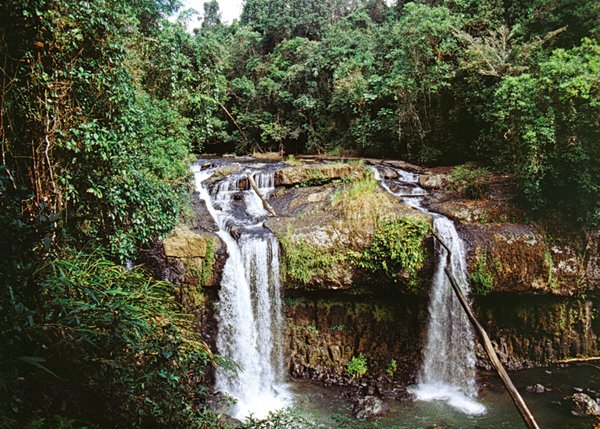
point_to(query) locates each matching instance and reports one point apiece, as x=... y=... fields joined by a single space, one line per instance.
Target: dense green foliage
x=510 y=84
x=104 y=346
x=93 y=157
x=397 y=250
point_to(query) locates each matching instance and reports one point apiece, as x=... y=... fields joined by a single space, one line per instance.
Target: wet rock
x=202 y=221
x=434 y=181
x=536 y=388
x=368 y=406
x=317 y=174
x=583 y=405
x=592 y=263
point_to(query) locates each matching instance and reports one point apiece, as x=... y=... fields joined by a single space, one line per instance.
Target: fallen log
x=489 y=348
x=264 y=201
x=580 y=360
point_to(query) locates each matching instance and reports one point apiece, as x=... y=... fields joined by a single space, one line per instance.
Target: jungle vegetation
x=103 y=104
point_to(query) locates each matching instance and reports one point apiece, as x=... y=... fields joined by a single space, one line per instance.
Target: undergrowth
x=362 y=205
x=104 y=346
x=397 y=250
x=482 y=277
x=472 y=182
x=305 y=261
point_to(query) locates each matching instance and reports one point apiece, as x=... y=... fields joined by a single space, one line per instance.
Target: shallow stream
x=329 y=406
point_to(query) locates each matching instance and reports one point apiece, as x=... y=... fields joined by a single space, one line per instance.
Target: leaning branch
x=222 y=106
x=489 y=348
x=264 y=201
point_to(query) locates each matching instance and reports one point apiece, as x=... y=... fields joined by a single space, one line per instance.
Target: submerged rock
x=536 y=388
x=583 y=405
x=368 y=406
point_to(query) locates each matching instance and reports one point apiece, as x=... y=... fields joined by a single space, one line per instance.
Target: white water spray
x=448 y=369
x=249 y=314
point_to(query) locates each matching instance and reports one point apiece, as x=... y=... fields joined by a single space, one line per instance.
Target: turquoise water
x=327 y=407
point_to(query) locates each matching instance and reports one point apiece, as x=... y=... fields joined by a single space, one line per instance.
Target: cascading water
x=448 y=369
x=249 y=314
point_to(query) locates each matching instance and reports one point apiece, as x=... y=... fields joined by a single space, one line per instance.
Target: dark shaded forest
x=104 y=104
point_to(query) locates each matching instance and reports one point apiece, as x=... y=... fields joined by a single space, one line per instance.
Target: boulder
x=185 y=243
x=536 y=388
x=368 y=406
x=583 y=405
x=318 y=173
x=434 y=181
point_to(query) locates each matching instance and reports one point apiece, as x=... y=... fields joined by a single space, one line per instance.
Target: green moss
x=206 y=272
x=473 y=182
x=305 y=261
x=482 y=278
x=397 y=250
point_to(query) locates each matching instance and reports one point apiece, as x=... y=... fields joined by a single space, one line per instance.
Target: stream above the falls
x=330 y=407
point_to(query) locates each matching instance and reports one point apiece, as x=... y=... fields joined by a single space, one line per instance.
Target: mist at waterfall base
x=249 y=310
x=448 y=369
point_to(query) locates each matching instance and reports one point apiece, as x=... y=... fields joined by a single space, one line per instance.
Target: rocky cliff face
x=326 y=331
x=323 y=229
x=516 y=255
x=537 y=296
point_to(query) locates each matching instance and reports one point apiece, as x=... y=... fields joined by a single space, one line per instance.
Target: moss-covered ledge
x=340 y=235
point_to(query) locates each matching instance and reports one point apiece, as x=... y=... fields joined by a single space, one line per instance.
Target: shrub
x=357 y=366
x=106 y=346
x=473 y=182
x=482 y=278
x=397 y=249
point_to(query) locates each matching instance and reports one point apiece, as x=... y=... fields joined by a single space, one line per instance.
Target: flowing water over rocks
x=448 y=369
x=249 y=310
x=325 y=328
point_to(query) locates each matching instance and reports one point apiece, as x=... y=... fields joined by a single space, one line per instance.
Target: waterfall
x=249 y=310
x=448 y=369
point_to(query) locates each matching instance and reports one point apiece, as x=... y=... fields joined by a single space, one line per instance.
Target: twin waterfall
x=249 y=312
x=448 y=369
x=249 y=309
